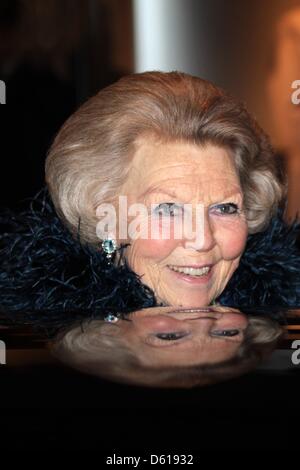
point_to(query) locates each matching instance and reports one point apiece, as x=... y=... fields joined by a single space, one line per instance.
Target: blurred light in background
x=165 y=36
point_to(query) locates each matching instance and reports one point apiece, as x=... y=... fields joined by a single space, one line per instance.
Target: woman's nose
x=203 y=235
x=159 y=323
x=232 y=321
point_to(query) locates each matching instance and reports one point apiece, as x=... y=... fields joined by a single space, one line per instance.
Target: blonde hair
x=87 y=349
x=89 y=159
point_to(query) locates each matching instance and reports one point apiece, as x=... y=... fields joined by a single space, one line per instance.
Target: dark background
x=48 y=407
x=53 y=56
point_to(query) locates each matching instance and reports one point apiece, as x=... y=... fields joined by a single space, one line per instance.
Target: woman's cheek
x=156 y=249
x=158 y=245
x=234 y=242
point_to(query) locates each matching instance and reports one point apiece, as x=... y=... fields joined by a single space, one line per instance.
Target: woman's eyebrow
x=227 y=195
x=169 y=345
x=224 y=338
x=173 y=194
x=160 y=191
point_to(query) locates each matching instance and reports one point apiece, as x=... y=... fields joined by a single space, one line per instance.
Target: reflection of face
x=169 y=346
x=184 y=173
x=162 y=336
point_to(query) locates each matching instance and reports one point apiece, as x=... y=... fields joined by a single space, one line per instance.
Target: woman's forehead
x=168 y=165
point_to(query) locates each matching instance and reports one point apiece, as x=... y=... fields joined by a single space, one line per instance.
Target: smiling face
x=164 y=176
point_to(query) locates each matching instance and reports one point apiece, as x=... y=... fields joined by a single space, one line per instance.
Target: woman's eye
x=168 y=209
x=226 y=333
x=165 y=339
x=227 y=209
x=170 y=336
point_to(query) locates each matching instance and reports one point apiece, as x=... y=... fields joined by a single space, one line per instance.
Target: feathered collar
x=49 y=279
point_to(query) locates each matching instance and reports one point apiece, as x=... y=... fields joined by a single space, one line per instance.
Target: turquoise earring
x=111 y=318
x=109 y=247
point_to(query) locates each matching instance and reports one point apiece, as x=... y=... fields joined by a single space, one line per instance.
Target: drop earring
x=111 y=318
x=109 y=247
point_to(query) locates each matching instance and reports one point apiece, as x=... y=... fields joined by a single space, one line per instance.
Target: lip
x=195 y=266
x=180 y=313
x=206 y=313
x=192 y=280
x=197 y=310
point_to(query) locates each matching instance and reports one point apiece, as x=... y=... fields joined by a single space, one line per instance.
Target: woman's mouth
x=192 y=273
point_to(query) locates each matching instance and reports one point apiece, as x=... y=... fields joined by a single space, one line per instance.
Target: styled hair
x=90 y=156
x=87 y=349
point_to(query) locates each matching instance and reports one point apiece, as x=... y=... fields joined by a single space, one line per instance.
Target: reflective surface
x=168 y=347
x=44 y=404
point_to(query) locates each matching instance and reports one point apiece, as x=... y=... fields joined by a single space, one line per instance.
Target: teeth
x=191 y=271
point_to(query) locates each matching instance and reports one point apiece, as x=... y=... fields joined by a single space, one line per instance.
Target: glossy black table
x=46 y=406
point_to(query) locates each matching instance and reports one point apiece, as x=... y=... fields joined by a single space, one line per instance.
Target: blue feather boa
x=49 y=279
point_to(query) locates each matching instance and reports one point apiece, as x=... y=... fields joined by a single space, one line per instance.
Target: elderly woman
x=155 y=154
